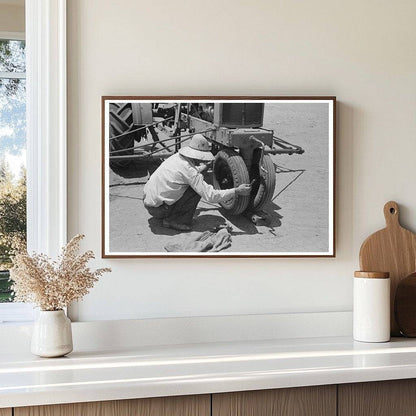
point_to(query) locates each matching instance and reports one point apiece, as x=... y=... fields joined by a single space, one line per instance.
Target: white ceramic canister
x=371 y=313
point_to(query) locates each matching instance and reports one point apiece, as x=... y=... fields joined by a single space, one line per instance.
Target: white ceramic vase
x=52 y=334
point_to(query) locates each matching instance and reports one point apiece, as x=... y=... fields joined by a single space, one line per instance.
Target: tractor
x=240 y=144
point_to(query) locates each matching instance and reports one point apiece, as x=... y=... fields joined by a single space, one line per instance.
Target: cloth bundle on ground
x=208 y=241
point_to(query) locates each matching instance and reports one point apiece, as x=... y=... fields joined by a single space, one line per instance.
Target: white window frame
x=46 y=127
x=14 y=312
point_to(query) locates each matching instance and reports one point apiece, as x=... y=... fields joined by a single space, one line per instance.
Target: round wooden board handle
x=391 y=214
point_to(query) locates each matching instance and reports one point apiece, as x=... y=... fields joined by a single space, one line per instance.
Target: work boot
x=176 y=226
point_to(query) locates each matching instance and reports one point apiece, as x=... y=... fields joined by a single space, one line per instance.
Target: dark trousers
x=181 y=212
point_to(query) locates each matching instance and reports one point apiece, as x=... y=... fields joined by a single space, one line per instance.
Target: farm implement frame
x=153 y=131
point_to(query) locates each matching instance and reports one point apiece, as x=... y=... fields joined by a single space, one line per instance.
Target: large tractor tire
x=121 y=121
x=230 y=171
x=263 y=188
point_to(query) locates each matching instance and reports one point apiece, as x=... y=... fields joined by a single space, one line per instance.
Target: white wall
x=361 y=51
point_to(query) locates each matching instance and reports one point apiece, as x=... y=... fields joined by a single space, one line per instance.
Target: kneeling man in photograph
x=174 y=190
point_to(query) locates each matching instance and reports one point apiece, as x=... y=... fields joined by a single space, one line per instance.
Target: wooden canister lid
x=372 y=275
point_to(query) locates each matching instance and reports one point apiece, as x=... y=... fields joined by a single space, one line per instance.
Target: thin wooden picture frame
x=313 y=121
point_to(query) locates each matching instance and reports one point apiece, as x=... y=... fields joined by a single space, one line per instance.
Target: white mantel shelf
x=152 y=371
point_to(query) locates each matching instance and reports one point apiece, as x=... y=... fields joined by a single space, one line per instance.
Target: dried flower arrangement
x=53 y=285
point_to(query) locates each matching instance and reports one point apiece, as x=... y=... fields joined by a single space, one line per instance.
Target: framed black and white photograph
x=218 y=176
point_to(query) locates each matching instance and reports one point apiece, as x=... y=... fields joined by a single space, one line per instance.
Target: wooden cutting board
x=393 y=250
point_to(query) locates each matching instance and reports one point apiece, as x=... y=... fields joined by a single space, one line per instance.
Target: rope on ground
x=286 y=170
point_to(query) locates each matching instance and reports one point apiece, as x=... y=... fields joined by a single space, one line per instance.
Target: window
x=12 y=154
x=45 y=27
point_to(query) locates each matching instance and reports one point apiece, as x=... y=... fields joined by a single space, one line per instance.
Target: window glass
x=12 y=56
x=12 y=156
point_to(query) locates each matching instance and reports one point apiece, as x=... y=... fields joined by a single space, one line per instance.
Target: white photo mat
x=299 y=220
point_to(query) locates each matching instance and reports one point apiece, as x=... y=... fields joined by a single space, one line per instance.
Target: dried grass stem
x=53 y=285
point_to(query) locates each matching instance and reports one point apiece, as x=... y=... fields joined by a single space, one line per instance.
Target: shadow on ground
x=132 y=170
x=156 y=226
x=242 y=225
x=247 y=226
x=202 y=223
x=207 y=222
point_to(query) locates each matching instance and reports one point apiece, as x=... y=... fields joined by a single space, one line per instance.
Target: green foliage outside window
x=12 y=145
x=12 y=223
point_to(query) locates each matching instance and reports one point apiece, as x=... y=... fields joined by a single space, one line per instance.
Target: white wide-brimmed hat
x=199 y=148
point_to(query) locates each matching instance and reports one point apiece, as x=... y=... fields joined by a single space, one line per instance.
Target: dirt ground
x=298 y=217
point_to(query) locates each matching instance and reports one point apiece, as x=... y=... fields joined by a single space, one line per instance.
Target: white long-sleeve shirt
x=172 y=178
